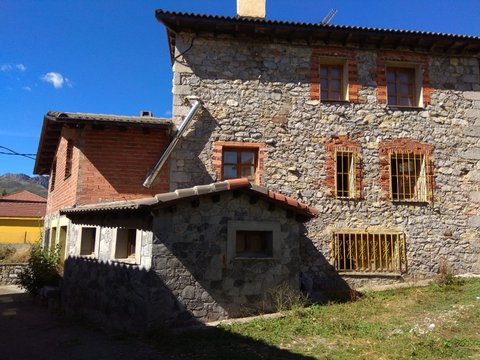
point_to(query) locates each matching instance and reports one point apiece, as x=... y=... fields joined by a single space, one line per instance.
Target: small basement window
x=88 y=241
x=358 y=251
x=254 y=244
x=126 y=244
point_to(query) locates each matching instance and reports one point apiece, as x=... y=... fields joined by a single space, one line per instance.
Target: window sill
x=339 y=102
x=405 y=108
x=124 y=261
x=410 y=202
x=370 y=274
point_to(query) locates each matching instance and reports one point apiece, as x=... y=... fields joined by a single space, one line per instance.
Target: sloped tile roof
x=24 y=195
x=53 y=122
x=23 y=204
x=167 y=199
x=317 y=33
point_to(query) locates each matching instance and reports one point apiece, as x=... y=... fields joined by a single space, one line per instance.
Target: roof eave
x=368 y=38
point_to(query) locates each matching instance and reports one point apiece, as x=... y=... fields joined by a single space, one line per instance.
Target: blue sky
x=111 y=56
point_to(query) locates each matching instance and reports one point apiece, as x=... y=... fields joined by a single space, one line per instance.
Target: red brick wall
x=108 y=165
x=63 y=195
x=404 y=146
x=217 y=155
x=342 y=143
x=333 y=52
x=114 y=164
x=401 y=56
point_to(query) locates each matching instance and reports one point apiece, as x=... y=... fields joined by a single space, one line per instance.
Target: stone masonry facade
x=266 y=93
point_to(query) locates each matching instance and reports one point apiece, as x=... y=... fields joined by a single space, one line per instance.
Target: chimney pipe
x=251 y=8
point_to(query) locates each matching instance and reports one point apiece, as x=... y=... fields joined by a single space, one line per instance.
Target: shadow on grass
x=218 y=343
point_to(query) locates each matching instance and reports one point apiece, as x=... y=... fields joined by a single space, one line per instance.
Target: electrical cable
x=13 y=152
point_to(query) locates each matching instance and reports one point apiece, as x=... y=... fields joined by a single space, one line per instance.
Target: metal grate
x=345 y=174
x=408 y=177
x=360 y=251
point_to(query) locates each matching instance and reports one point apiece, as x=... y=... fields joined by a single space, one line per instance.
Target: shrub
x=283 y=297
x=446 y=274
x=41 y=270
x=6 y=252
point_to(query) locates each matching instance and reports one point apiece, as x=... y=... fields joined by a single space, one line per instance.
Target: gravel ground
x=30 y=331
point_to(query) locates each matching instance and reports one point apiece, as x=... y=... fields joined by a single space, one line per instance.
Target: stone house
x=376 y=129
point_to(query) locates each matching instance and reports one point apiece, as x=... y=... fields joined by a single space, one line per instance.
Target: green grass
x=382 y=325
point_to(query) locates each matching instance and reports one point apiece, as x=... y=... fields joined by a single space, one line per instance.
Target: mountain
x=16 y=182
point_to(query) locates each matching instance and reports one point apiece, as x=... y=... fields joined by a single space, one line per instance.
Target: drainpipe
x=152 y=175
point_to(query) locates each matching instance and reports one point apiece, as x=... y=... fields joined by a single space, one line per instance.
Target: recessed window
x=358 y=251
x=254 y=244
x=408 y=177
x=53 y=175
x=332 y=82
x=239 y=163
x=401 y=87
x=345 y=174
x=68 y=159
x=126 y=244
x=88 y=240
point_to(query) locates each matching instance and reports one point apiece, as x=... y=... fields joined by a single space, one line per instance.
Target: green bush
x=41 y=270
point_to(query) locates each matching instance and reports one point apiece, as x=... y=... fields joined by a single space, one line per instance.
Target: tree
x=4 y=192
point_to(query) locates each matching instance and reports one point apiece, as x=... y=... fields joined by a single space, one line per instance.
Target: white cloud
x=10 y=67
x=54 y=78
x=27 y=88
x=6 y=67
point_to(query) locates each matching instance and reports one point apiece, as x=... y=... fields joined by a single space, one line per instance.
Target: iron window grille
x=369 y=252
x=345 y=176
x=408 y=177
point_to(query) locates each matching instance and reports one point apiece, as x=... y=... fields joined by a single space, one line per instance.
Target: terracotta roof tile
x=196 y=191
x=23 y=204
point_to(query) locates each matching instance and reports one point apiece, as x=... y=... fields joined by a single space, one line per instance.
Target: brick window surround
x=402 y=59
x=399 y=148
x=333 y=55
x=217 y=158
x=343 y=144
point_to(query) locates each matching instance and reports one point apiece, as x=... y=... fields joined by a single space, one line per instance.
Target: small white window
x=127 y=245
x=88 y=241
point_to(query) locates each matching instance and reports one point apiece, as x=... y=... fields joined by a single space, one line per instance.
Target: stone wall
x=259 y=92
x=190 y=254
x=9 y=273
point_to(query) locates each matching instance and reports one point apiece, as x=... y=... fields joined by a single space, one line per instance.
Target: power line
x=15 y=153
